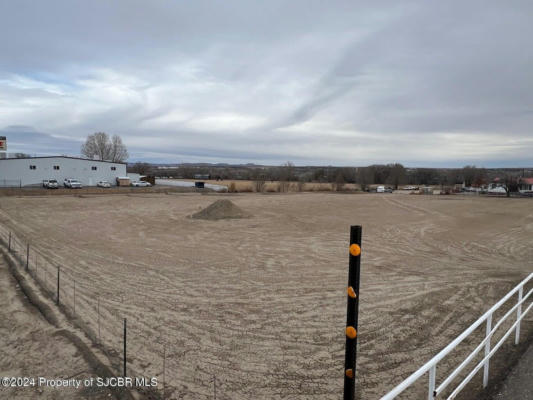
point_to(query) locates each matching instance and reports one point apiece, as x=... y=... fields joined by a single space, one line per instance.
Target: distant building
x=525 y=185
x=32 y=171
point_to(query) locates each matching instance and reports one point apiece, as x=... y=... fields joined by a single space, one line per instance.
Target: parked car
x=410 y=187
x=103 y=184
x=141 y=184
x=380 y=189
x=72 y=183
x=50 y=184
x=497 y=190
x=388 y=190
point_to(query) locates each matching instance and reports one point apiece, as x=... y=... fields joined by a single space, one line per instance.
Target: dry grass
x=248 y=186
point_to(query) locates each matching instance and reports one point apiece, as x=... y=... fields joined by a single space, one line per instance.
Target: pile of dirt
x=221 y=209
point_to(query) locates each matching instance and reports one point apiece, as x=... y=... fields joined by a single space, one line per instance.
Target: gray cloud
x=24 y=139
x=418 y=82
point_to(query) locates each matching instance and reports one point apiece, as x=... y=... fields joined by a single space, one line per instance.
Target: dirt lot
x=260 y=302
x=33 y=349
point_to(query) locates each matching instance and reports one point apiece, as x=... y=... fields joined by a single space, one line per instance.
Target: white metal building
x=32 y=171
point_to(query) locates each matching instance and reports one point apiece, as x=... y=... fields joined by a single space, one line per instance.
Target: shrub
x=283 y=187
x=259 y=186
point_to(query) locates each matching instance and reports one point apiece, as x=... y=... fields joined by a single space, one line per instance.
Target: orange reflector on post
x=351 y=332
x=349 y=373
x=355 y=250
x=351 y=292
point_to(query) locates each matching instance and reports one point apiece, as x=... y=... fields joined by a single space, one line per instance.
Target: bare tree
x=21 y=155
x=287 y=172
x=473 y=175
x=338 y=185
x=100 y=145
x=118 y=149
x=511 y=184
x=396 y=175
x=141 y=168
x=363 y=177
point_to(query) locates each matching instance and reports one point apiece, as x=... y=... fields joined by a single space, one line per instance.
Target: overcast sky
x=424 y=83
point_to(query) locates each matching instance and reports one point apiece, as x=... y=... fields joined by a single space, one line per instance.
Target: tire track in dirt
x=260 y=302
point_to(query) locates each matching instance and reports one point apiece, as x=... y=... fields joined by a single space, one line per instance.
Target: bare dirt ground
x=33 y=348
x=260 y=302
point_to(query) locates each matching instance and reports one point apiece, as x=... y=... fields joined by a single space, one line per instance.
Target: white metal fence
x=431 y=365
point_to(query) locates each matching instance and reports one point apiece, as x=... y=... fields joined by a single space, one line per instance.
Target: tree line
x=101 y=146
x=394 y=174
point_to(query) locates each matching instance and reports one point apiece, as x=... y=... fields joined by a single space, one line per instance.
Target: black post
x=74 y=297
x=99 y=337
x=124 y=347
x=27 y=256
x=352 y=312
x=9 y=246
x=57 y=301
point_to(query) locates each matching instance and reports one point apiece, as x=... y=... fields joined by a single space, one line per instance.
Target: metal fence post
x=431 y=387
x=352 y=312
x=518 y=314
x=164 y=367
x=74 y=297
x=124 y=347
x=487 y=351
x=98 y=306
x=58 y=270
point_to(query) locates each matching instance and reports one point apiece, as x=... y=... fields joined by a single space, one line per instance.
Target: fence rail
x=11 y=183
x=431 y=366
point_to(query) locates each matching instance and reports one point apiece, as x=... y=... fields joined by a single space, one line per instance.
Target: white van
x=380 y=189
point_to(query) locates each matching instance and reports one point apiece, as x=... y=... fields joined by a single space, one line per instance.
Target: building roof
x=72 y=158
x=527 y=181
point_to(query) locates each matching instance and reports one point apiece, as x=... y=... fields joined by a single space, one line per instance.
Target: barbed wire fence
x=99 y=312
x=10 y=183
